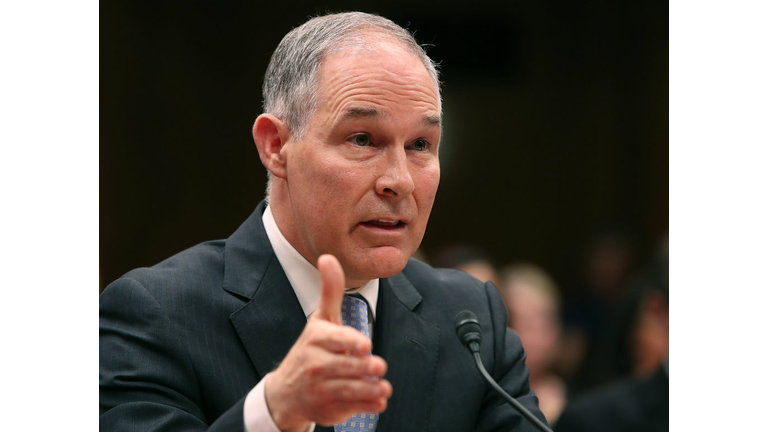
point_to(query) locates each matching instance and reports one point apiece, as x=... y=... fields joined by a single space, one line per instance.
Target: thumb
x=331 y=289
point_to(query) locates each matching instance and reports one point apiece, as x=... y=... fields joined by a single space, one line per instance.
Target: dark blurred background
x=555 y=147
x=556 y=120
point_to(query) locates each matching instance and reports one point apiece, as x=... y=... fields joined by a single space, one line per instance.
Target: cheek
x=427 y=182
x=331 y=201
x=337 y=172
x=325 y=180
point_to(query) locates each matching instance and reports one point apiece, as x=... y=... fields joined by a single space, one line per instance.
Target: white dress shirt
x=305 y=280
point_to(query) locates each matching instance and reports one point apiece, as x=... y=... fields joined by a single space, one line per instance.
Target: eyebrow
x=369 y=112
x=429 y=120
x=360 y=112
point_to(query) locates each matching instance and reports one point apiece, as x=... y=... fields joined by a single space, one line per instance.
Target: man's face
x=362 y=181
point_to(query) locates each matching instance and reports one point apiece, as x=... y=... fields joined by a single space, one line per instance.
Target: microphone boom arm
x=468 y=332
x=515 y=404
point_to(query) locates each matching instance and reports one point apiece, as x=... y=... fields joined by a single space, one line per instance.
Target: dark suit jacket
x=630 y=405
x=183 y=342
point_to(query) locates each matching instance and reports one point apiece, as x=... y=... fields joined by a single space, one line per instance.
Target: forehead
x=382 y=75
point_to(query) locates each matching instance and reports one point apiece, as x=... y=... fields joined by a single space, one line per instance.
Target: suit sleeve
x=510 y=371
x=146 y=380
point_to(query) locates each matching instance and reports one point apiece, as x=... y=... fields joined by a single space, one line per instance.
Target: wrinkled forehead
x=378 y=87
x=380 y=72
x=387 y=53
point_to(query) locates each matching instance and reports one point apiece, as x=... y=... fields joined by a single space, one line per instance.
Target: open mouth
x=385 y=224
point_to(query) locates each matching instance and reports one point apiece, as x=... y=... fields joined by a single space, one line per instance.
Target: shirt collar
x=303 y=276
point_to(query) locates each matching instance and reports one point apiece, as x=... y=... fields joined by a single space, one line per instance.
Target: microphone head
x=467 y=328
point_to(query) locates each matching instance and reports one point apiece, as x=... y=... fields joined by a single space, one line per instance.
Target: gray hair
x=290 y=83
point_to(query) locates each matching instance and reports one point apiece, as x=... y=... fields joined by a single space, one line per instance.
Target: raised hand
x=326 y=376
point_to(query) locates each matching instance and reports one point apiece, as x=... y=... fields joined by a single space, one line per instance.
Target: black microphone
x=468 y=331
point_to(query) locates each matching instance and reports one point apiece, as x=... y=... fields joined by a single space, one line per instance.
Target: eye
x=362 y=140
x=420 y=145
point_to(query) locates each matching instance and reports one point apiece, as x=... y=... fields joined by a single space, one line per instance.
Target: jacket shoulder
x=446 y=281
x=201 y=266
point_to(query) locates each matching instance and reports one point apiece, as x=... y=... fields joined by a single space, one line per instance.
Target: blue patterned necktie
x=354 y=313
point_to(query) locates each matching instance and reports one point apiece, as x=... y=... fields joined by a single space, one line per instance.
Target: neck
x=281 y=210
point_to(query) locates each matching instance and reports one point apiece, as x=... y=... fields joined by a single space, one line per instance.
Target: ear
x=270 y=135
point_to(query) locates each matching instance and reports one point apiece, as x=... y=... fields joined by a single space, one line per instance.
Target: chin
x=380 y=264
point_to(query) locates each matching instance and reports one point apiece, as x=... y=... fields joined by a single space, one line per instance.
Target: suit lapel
x=409 y=344
x=272 y=320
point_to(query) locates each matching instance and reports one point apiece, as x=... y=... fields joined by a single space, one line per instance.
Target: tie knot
x=354 y=313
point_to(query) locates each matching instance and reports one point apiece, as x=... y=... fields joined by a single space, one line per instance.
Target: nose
x=395 y=179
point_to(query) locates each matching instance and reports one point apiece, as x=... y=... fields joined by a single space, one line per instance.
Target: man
x=246 y=334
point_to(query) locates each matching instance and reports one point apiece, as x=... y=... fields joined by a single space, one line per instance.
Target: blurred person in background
x=591 y=311
x=533 y=305
x=469 y=259
x=649 y=337
x=639 y=402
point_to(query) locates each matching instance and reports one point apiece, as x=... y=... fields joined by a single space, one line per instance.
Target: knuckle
x=346 y=393
x=313 y=368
